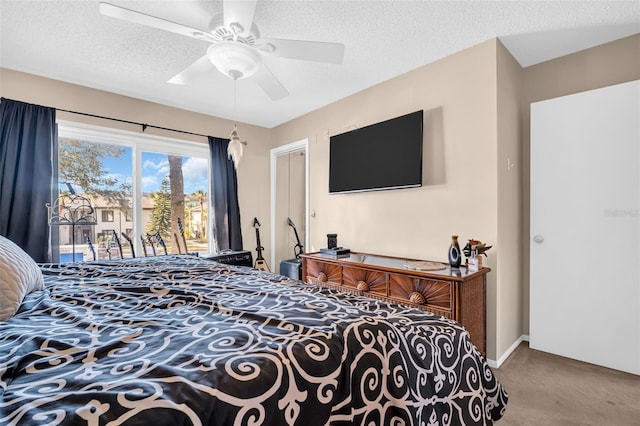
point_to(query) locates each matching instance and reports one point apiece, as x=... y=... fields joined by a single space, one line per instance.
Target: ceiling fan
x=236 y=48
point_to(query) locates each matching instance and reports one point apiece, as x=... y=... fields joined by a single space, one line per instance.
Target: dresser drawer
x=459 y=296
x=365 y=280
x=320 y=273
x=431 y=294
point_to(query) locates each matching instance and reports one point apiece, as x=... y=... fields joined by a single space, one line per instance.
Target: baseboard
x=496 y=364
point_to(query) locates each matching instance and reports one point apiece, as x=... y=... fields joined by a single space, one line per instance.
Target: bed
x=179 y=340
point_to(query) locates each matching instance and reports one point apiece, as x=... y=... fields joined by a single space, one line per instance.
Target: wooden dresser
x=454 y=293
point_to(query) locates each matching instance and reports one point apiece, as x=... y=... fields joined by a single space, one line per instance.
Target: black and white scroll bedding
x=177 y=340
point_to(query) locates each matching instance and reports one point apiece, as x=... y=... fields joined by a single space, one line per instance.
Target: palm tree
x=177 y=194
x=201 y=194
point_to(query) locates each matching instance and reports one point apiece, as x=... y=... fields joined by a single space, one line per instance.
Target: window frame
x=140 y=143
x=105 y=213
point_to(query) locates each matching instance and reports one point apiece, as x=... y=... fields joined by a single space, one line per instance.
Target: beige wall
x=509 y=297
x=253 y=171
x=459 y=141
x=459 y=194
x=476 y=178
x=612 y=63
x=476 y=160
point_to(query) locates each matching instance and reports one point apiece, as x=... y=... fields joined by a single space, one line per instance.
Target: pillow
x=19 y=276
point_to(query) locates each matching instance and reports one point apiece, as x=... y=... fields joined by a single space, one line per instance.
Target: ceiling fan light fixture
x=234 y=149
x=234 y=59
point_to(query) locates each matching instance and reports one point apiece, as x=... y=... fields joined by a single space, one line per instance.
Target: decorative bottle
x=455 y=256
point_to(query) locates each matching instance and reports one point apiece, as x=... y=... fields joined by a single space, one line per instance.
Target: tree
x=80 y=164
x=160 y=220
x=177 y=195
x=201 y=194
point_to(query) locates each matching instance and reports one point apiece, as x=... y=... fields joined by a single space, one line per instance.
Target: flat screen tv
x=385 y=155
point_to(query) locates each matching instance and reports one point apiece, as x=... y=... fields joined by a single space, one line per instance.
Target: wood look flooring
x=549 y=390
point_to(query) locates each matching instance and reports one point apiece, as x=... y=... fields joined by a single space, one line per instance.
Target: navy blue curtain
x=224 y=196
x=28 y=152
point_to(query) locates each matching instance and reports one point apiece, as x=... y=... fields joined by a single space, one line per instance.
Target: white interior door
x=585 y=226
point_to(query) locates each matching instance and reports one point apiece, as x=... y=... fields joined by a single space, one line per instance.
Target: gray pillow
x=19 y=276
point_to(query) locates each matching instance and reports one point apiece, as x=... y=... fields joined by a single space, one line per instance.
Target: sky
x=156 y=166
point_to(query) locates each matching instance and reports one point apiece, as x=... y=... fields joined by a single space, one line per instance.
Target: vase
x=455 y=256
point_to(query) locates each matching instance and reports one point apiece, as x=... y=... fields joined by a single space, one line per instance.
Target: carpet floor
x=549 y=390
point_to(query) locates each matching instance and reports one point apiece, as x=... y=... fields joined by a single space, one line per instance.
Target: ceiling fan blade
x=199 y=67
x=270 y=83
x=316 y=51
x=239 y=12
x=151 y=21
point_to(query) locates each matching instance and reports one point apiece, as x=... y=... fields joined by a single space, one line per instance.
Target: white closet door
x=585 y=226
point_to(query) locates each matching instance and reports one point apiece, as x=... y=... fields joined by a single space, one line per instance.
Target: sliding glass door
x=141 y=188
x=176 y=187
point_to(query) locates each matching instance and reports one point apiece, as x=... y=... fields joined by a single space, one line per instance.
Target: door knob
x=538 y=239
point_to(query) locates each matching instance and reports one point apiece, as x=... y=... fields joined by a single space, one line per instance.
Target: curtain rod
x=143 y=125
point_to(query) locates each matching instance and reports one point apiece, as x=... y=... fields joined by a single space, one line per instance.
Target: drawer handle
x=322 y=277
x=417 y=298
x=362 y=286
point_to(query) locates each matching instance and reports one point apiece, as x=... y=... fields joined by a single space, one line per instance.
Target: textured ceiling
x=71 y=41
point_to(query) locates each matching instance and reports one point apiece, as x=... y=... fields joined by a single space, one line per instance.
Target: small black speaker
x=332 y=241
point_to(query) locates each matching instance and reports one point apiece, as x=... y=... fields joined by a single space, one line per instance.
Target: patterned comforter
x=178 y=340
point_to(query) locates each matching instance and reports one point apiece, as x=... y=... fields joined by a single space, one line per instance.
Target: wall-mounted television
x=385 y=155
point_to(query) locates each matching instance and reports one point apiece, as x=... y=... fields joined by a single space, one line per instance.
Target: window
x=107 y=215
x=104 y=236
x=133 y=180
x=158 y=171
